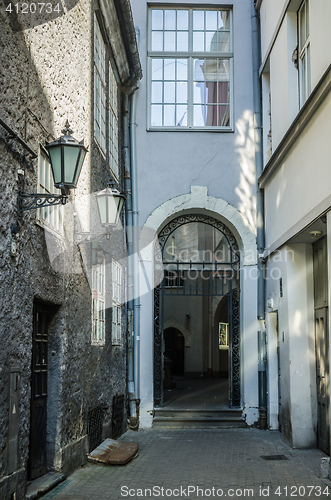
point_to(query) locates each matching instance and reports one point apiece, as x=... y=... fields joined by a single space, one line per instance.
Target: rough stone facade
x=46 y=74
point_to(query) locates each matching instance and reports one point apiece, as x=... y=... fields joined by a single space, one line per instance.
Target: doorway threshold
x=43 y=484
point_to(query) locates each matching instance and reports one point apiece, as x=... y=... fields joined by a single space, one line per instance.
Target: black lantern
x=110 y=202
x=66 y=156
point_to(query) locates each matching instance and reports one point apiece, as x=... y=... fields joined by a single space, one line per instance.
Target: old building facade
x=196 y=174
x=295 y=72
x=63 y=312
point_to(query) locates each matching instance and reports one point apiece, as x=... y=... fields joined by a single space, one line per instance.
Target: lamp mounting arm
x=27 y=201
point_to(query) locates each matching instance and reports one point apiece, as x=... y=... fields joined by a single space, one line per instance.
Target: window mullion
x=190 y=93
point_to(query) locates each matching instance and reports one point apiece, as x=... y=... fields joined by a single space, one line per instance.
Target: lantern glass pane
x=70 y=161
x=102 y=205
x=112 y=209
x=55 y=155
x=79 y=167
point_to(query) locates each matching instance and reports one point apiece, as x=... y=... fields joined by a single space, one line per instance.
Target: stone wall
x=47 y=75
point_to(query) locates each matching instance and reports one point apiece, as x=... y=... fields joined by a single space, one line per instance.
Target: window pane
x=302 y=26
x=181 y=116
x=223 y=41
x=198 y=20
x=210 y=70
x=223 y=70
x=181 y=92
x=198 y=41
x=182 y=69
x=303 y=79
x=198 y=116
x=169 y=92
x=157 y=19
x=211 y=20
x=157 y=65
x=199 y=91
x=157 y=40
x=223 y=115
x=182 y=41
x=182 y=19
x=169 y=115
x=169 y=19
x=308 y=71
x=307 y=18
x=211 y=41
x=156 y=118
x=157 y=92
x=169 y=69
x=224 y=19
x=170 y=41
x=198 y=73
x=211 y=117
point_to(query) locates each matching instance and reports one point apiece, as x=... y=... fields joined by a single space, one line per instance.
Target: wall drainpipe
x=131 y=204
x=262 y=370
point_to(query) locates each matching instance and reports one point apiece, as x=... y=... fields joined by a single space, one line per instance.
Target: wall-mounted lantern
x=66 y=156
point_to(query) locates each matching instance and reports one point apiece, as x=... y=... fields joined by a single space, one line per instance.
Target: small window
x=98 y=303
x=113 y=122
x=50 y=216
x=304 y=52
x=117 y=303
x=99 y=88
x=190 y=67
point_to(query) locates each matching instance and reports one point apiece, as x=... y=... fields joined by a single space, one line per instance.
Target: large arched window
x=197 y=242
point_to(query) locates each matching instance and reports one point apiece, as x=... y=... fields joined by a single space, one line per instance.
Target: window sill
x=47 y=227
x=98 y=343
x=116 y=344
x=188 y=129
x=102 y=152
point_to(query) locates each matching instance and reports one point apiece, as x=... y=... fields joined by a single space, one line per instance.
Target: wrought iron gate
x=212 y=279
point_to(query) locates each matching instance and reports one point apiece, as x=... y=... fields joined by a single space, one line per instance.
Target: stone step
x=198 y=419
x=228 y=413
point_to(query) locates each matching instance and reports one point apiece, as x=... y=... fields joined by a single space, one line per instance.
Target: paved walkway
x=180 y=461
x=198 y=394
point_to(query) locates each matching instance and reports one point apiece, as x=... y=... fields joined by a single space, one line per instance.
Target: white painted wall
x=300 y=189
x=270 y=14
x=297 y=345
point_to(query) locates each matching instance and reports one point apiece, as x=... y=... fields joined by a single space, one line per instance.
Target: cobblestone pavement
x=227 y=460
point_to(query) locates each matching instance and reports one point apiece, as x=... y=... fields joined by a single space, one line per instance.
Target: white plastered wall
x=198 y=201
x=295 y=310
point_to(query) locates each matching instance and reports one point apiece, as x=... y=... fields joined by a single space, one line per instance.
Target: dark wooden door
x=322 y=343
x=37 y=456
x=322 y=378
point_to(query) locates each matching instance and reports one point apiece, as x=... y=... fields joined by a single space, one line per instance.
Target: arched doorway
x=200 y=259
x=174 y=351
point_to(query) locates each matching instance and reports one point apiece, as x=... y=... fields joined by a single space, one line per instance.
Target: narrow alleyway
x=181 y=461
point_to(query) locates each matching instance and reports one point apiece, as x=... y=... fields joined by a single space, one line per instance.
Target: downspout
x=262 y=368
x=134 y=184
x=131 y=204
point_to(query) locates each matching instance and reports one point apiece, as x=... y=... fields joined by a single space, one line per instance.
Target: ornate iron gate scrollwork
x=234 y=319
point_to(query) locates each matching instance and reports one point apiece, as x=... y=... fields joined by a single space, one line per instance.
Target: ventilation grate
x=94 y=426
x=117 y=416
x=274 y=457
